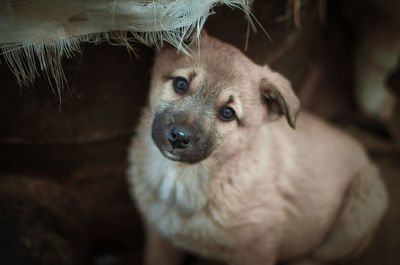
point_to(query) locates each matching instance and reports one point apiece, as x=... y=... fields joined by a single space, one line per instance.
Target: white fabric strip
x=37 y=33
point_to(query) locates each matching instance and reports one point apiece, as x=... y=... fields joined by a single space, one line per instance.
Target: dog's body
x=246 y=191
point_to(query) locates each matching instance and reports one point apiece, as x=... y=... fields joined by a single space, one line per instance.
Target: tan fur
x=266 y=193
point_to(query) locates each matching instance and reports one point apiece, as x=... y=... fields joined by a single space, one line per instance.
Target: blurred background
x=63 y=190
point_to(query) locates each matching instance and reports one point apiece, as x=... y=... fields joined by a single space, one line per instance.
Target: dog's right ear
x=278 y=95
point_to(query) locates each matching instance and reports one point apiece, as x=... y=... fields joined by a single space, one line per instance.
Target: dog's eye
x=226 y=114
x=181 y=85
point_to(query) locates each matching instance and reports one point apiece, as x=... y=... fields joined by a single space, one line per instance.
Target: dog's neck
x=180 y=185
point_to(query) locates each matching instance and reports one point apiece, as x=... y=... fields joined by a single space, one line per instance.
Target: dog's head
x=214 y=101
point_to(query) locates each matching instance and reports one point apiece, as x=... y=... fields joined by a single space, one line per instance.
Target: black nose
x=179 y=137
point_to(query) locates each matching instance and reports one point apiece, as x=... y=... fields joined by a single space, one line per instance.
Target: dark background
x=63 y=193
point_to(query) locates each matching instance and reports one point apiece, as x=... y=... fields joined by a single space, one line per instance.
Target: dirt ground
x=63 y=192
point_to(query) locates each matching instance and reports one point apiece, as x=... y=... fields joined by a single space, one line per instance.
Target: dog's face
x=213 y=102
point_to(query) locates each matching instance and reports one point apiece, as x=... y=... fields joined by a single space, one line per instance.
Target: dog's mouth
x=189 y=155
x=170 y=155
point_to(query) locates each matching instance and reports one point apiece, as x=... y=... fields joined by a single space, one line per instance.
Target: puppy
x=217 y=168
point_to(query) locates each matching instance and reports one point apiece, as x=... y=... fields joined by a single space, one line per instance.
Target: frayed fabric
x=35 y=35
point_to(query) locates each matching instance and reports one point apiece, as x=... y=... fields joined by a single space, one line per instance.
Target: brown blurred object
x=63 y=188
x=63 y=193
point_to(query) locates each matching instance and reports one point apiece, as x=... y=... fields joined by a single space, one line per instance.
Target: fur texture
x=266 y=193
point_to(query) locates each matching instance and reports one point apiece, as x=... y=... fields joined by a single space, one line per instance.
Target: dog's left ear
x=279 y=97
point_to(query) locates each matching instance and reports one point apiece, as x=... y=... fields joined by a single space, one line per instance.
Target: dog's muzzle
x=180 y=140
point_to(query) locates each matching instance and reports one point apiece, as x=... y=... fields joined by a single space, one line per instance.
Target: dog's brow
x=192 y=75
x=168 y=77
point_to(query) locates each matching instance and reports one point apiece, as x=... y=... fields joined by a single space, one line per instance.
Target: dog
x=223 y=165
